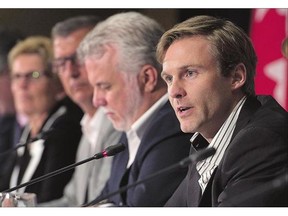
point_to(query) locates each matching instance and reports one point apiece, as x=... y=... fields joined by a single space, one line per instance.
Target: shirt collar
x=91 y=125
x=135 y=134
x=140 y=124
x=220 y=142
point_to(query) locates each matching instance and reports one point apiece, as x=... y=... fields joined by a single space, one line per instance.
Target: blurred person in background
x=10 y=123
x=38 y=94
x=98 y=133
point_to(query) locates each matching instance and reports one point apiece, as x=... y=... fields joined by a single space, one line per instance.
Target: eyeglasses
x=29 y=76
x=59 y=64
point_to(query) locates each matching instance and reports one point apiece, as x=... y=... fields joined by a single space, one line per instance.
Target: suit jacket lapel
x=250 y=106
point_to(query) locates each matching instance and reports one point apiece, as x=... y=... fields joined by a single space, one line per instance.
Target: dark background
x=40 y=21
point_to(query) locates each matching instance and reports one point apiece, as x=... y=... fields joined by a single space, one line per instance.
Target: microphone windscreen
x=115 y=149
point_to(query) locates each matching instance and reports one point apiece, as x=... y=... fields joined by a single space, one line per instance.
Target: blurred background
x=268 y=29
x=40 y=21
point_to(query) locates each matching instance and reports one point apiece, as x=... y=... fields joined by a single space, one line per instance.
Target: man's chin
x=186 y=129
x=80 y=98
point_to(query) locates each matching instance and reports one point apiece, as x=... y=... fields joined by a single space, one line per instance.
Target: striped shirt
x=220 y=142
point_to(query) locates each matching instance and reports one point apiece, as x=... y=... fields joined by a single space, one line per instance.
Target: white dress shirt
x=90 y=129
x=98 y=133
x=36 y=149
x=135 y=134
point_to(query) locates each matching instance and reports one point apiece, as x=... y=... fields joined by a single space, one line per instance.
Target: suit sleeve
x=61 y=150
x=167 y=152
x=178 y=199
x=255 y=158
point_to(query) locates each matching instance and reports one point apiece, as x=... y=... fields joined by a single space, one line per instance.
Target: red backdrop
x=268 y=31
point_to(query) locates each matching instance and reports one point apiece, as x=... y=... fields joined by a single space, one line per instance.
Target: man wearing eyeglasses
x=98 y=132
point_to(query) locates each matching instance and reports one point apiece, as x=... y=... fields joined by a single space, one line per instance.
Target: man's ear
x=148 y=78
x=238 y=76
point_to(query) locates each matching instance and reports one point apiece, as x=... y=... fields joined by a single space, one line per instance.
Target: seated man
x=119 y=55
x=88 y=179
x=209 y=67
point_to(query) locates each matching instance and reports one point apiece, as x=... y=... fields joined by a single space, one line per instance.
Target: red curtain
x=269 y=29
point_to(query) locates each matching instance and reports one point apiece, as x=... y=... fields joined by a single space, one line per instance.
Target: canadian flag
x=269 y=30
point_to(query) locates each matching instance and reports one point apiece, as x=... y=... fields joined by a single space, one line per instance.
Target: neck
x=36 y=122
x=148 y=101
x=89 y=109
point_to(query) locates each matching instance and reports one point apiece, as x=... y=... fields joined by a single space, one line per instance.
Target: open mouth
x=182 y=109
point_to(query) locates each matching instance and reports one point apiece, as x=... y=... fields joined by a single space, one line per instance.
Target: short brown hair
x=230 y=44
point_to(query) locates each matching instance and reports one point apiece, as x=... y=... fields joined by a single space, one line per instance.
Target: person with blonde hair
x=38 y=94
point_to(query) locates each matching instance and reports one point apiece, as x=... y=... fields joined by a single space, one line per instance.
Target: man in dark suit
x=209 y=67
x=119 y=55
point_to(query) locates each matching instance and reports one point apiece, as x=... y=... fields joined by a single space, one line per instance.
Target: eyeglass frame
x=63 y=61
x=29 y=76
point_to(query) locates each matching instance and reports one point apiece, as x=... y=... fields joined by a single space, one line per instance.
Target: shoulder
x=260 y=134
x=164 y=135
x=165 y=121
x=270 y=118
x=7 y=122
x=262 y=113
x=73 y=111
x=260 y=143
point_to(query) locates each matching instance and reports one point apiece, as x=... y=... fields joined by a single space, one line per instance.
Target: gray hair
x=134 y=35
x=66 y=27
x=230 y=44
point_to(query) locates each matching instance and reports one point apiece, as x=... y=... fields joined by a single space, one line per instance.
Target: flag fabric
x=269 y=29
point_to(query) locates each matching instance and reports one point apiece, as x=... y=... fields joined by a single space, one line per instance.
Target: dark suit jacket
x=10 y=132
x=60 y=148
x=163 y=145
x=9 y=129
x=256 y=156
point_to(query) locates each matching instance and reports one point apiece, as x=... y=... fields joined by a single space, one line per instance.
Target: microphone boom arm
x=109 y=151
x=203 y=154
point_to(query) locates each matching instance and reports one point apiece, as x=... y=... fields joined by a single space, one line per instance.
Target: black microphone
x=42 y=135
x=193 y=158
x=109 y=151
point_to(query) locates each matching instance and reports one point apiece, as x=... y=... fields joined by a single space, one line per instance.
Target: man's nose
x=98 y=98
x=72 y=69
x=176 y=90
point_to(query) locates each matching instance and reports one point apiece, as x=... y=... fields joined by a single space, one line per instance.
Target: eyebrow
x=182 y=68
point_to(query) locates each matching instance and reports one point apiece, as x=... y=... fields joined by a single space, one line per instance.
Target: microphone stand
x=205 y=153
x=109 y=151
x=41 y=135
